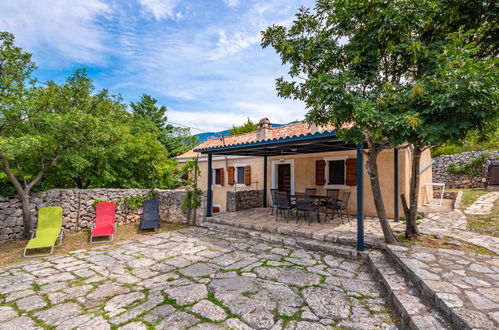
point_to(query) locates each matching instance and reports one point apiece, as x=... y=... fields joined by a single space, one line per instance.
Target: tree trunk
x=411 y=231
x=372 y=170
x=26 y=207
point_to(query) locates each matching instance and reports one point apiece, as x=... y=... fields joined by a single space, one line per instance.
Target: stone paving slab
x=202 y=280
x=465 y=286
x=483 y=204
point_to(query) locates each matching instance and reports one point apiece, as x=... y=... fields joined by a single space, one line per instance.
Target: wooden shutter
x=221 y=176
x=247 y=175
x=230 y=175
x=320 y=172
x=351 y=172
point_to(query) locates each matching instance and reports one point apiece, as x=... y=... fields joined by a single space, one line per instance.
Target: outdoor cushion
x=104 y=219
x=48 y=228
x=150 y=216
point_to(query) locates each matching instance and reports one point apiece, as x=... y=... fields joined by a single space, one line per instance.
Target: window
x=218 y=176
x=240 y=175
x=336 y=172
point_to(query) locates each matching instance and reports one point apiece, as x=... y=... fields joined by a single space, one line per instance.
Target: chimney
x=264 y=130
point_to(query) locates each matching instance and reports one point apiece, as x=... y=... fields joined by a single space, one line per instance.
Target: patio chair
x=330 y=202
x=305 y=204
x=150 y=215
x=342 y=206
x=311 y=191
x=283 y=206
x=274 y=202
x=48 y=230
x=104 y=222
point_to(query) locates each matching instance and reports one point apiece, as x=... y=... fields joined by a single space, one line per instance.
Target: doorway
x=284 y=177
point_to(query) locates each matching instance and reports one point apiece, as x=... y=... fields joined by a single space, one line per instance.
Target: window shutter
x=222 y=177
x=230 y=176
x=320 y=172
x=247 y=175
x=351 y=172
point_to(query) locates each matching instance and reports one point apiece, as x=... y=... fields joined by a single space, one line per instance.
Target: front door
x=284 y=177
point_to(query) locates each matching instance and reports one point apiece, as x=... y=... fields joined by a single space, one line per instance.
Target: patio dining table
x=318 y=200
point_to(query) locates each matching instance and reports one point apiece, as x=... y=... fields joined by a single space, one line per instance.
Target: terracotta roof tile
x=278 y=132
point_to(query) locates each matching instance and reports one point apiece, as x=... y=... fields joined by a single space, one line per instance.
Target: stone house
x=292 y=158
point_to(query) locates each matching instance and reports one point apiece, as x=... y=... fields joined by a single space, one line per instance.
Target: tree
x=39 y=125
x=147 y=108
x=177 y=140
x=333 y=71
x=247 y=127
x=399 y=71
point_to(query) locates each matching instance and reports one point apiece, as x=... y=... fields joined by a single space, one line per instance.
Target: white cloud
x=232 y=3
x=161 y=8
x=49 y=28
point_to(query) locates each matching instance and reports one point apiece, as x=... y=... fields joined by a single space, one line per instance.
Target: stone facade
x=79 y=212
x=441 y=173
x=244 y=199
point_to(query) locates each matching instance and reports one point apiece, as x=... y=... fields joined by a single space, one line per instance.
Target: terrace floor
x=335 y=230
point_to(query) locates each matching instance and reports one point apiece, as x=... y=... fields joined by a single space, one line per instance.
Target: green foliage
x=192 y=199
x=94 y=204
x=146 y=108
x=136 y=201
x=489 y=141
x=176 y=140
x=470 y=169
x=247 y=127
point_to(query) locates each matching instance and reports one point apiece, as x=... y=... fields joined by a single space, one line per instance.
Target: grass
x=442 y=243
x=12 y=251
x=483 y=224
x=470 y=195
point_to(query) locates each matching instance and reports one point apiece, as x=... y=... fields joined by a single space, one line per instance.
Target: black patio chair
x=283 y=206
x=150 y=215
x=342 y=206
x=305 y=204
x=330 y=202
x=274 y=202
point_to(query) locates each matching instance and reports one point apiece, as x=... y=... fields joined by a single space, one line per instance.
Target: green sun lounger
x=49 y=229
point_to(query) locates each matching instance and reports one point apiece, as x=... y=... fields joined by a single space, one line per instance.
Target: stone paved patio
x=192 y=278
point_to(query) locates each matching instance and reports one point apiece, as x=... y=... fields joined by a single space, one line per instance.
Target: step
x=445 y=306
x=283 y=230
x=309 y=244
x=405 y=297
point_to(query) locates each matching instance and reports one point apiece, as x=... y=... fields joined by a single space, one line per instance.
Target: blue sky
x=200 y=58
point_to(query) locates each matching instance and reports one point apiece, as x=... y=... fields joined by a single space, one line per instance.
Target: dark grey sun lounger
x=150 y=216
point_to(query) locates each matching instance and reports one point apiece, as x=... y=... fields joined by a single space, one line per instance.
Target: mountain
x=206 y=136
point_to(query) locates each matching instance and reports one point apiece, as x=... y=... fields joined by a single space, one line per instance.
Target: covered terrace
x=318 y=142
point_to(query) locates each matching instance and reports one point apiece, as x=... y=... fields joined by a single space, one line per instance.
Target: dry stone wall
x=442 y=163
x=244 y=199
x=79 y=212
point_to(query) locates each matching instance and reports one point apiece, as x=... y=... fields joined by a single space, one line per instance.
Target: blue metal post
x=396 y=183
x=360 y=200
x=264 y=202
x=209 y=192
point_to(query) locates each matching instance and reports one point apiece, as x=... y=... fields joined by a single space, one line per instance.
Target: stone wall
x=244 y=199
x=441 y=173
x=78 y=210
